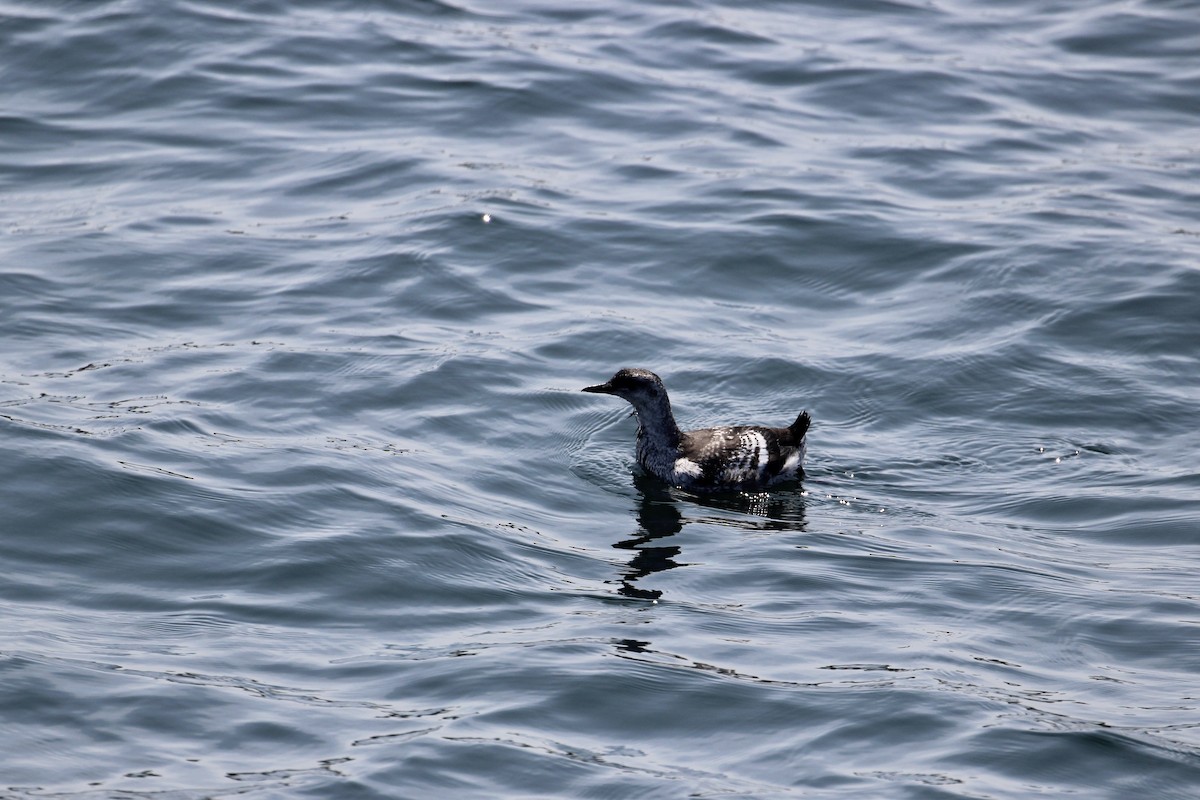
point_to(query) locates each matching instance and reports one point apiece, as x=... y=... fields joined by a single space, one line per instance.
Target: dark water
x=300 y=497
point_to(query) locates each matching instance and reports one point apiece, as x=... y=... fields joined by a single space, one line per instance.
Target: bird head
x=635 y=385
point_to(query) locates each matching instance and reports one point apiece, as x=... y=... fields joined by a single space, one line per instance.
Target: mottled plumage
x=741 y=458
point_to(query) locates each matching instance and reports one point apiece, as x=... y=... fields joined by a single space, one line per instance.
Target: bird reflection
x=659 y=517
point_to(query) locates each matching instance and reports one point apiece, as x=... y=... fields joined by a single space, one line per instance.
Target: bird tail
x=800 y=426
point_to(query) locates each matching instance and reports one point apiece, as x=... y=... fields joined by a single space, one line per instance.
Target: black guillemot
x=727 y=459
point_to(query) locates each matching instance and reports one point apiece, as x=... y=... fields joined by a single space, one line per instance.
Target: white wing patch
x=748 y=460
x=685 y=466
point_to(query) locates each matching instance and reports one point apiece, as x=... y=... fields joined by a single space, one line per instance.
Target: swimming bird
x=727 y=459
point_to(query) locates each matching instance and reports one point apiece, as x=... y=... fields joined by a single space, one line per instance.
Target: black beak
x=603 y=388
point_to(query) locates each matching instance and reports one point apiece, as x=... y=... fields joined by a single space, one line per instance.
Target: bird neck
x=656 y=422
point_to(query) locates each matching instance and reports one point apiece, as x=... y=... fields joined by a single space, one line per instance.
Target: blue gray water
x=300 y=496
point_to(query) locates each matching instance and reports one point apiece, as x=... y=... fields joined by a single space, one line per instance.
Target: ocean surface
x=300 y=497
